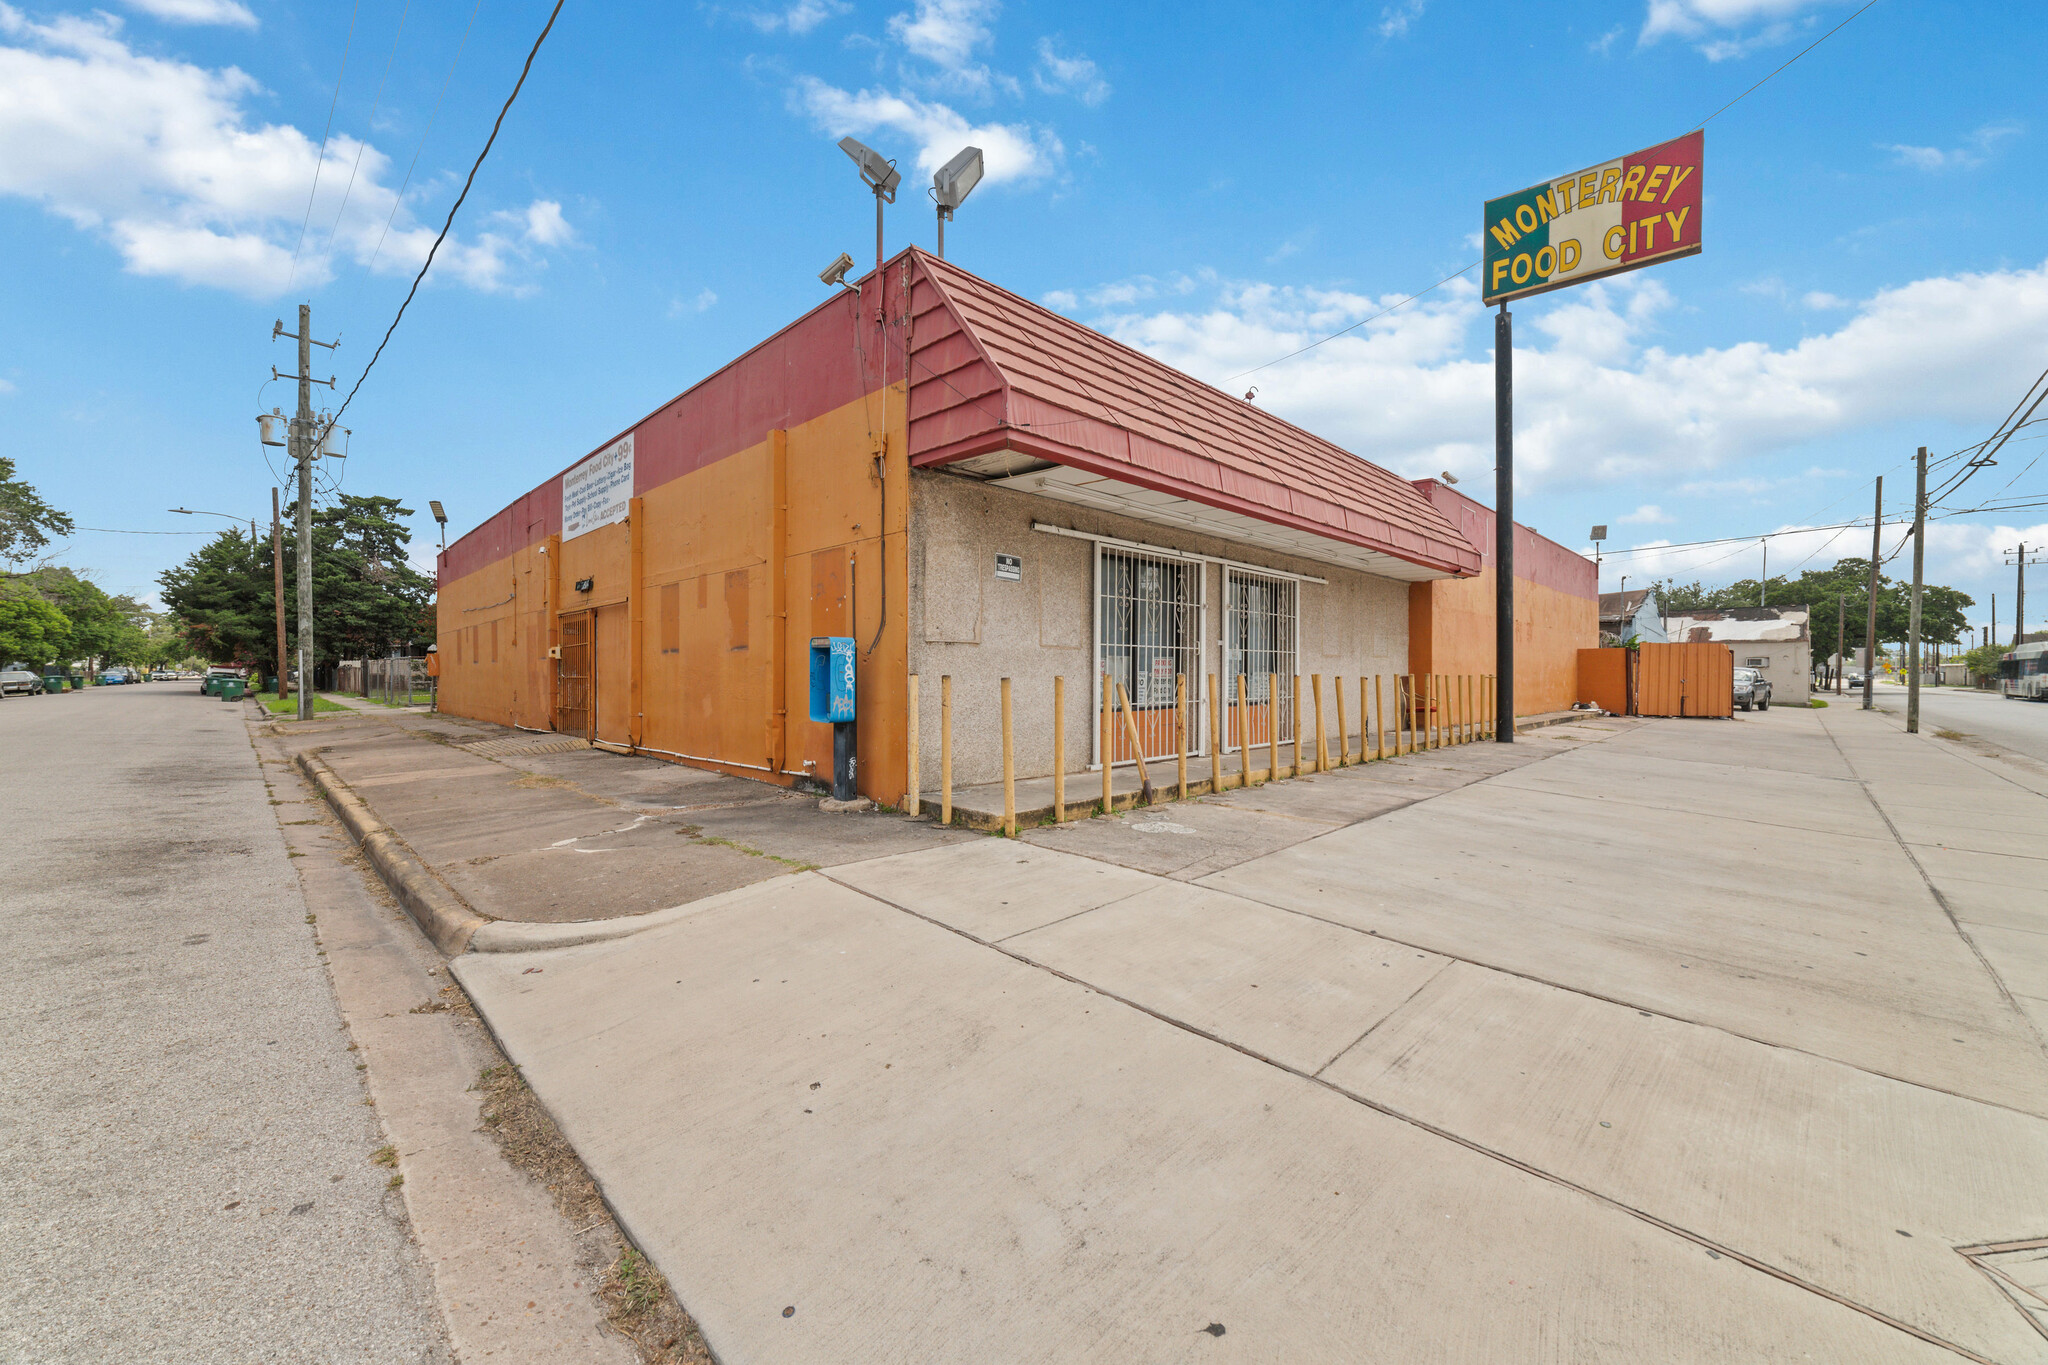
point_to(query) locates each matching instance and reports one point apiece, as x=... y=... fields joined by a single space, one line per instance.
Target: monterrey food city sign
x=1620 y=215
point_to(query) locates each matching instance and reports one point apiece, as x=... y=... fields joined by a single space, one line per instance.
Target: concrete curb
x=441 y=914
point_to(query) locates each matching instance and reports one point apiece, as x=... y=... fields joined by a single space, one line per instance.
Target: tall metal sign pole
x=1870 y=624
x=1913 y=608
x=1633 y=211
x=1504 y=525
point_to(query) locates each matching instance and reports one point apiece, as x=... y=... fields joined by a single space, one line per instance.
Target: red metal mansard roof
x=992 y=371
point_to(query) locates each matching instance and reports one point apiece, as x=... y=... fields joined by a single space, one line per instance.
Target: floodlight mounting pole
x=878 y=227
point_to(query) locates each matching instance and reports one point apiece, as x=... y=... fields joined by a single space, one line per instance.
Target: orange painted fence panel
x=1604 y=679
x=1660 y=680
x=1685 y=680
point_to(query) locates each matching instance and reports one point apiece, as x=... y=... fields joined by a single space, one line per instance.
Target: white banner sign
x=596 y=493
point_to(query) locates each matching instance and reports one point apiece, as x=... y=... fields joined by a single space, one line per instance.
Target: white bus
x=2023 y=672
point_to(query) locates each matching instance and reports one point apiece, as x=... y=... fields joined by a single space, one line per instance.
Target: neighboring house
x=1625 y=614
x=974 y=489
x=1773 y=640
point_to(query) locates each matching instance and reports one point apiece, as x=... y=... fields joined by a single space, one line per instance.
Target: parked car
x=1752 y=690
x=20 y=681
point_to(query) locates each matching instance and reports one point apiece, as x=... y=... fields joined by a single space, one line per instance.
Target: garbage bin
x=230 y=689
x=53 y=682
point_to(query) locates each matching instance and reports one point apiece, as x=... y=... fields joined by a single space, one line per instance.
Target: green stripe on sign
x=1517 y=231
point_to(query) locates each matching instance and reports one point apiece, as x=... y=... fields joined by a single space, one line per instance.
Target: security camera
x=835 y=273
x=1449 y=477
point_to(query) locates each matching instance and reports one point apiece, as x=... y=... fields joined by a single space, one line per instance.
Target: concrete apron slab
x=1861 y=1186
x=916 y=1147
x=1824 y=943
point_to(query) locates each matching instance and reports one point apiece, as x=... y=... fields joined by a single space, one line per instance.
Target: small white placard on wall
x=1010 y=568
x=598 y=491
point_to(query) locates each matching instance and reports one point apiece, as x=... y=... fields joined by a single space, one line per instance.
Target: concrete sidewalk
x=1660 y=1048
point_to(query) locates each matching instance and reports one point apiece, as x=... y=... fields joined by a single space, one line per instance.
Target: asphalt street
x=187 y=1138
x=2018 y=726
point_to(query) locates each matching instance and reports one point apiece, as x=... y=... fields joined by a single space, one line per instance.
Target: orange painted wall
x=723 y=681
x=1450 y=630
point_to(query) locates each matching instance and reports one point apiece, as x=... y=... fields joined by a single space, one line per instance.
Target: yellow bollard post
x=1294 y=700
x=1215 y=741
x=1180 y=724
x=1322 y=750
x=946 y=749
x=910 y=802
x=1059 y=750
x=1108 y=709
x=1009 y=770
x=1272 y=727
x=1244 y=731
x=1343 y=730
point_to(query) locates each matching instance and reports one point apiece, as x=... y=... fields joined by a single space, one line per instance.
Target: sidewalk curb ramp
x=441 y=914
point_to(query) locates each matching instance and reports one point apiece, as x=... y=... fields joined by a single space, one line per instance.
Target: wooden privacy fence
x=1660 y=680
x=1398 y=714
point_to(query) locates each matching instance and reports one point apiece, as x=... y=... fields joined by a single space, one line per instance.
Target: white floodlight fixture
x=880 y=175
x=441 y=517
x=835 y=273
x=951 y=184
x=1599 y=533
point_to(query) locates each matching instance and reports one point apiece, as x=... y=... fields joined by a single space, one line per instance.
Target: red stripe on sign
x=1661 y=198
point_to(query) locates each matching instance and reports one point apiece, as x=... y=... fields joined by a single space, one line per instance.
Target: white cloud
x=1604 y=44
x=1010 y=151
x=1976 y=150
x=196 y=12
x=798 y=18
x=161 y=159
x=1594 y=401
x=946 y=34
x=1063 y=300
x=1649 y=514
x=1395 y=19
x=1717 y=27
x=6 y=386
x=1821 y=299
x=1076 y=75
x=545 y=225
x=680 y=307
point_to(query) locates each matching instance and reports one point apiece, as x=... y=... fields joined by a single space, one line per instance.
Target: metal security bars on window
x=1150 y=635
x=1260 y=621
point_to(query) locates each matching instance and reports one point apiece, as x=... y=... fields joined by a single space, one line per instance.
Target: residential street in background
x=2017 y=727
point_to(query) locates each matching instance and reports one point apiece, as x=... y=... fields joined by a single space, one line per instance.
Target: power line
x=453 y=209
x=321 y=159
x=1781 y=66
x=425 y=133
x=375 y=104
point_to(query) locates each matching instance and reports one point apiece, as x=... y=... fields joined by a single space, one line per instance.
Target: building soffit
x=1153 y=444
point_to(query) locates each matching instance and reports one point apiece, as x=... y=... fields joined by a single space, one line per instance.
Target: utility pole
x=1913 y=609
x=1763 y=585
x=1870 y=627
x=2019 y=605
x=284 y=663
x=1504 y=525
x=305 y=449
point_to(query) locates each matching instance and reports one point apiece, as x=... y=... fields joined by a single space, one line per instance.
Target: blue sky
x=1218 y=184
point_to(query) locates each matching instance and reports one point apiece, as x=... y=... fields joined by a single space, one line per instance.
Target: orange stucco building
x=969 y=486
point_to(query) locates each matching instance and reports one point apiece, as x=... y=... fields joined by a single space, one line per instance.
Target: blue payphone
x=832 y=703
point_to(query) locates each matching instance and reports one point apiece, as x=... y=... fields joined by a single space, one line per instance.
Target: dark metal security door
x=575 y=683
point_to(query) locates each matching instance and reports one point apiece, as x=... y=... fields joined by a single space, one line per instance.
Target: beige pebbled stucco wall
x=966 y=622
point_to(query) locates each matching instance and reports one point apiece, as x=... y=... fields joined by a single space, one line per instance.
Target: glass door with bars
x=1261 y=616
x=1149 y=636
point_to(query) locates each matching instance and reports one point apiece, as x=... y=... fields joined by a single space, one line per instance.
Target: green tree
x=101 y=628
x=366 y=597
x=26 y=521
x=32 y=632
